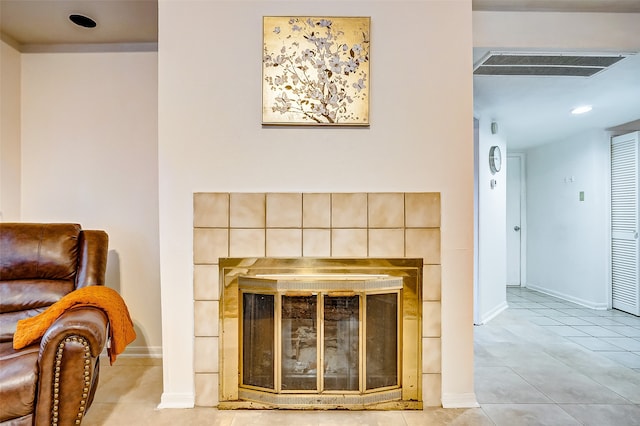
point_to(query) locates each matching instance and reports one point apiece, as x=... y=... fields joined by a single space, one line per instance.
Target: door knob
x=516 y=228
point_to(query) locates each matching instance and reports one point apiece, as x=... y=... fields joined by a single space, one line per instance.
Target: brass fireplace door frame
x=406 y=395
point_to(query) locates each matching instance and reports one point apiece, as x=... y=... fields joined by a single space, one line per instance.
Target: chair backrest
x=40 y=263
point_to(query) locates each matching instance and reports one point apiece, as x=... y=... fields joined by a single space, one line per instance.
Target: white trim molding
x=563 y=296
x=459 y=400
x=89 y=48
x=493 y=313
x=142 y=352
x=154 y=352
x=176 y=400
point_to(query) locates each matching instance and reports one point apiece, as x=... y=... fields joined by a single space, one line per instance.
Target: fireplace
x=333 y=227
x=321 y=333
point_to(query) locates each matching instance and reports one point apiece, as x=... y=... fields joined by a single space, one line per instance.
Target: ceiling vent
x=544 y=64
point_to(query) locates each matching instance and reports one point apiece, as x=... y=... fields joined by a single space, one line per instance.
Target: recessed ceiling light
x=82 y=21
x=581 y=109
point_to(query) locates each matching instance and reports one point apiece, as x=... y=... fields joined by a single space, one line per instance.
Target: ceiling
x=45 y=22
x=529 y=110
x=532 y=111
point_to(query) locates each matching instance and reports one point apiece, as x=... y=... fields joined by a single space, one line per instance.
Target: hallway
x=551 y=362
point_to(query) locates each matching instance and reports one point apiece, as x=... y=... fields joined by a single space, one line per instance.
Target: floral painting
x=316 y=71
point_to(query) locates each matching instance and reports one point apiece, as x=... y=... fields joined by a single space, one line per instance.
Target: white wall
x=420 y=139
x=9 y=133
x=89 y=150
x=559 y=30
x=491 y=295
x=568 y=240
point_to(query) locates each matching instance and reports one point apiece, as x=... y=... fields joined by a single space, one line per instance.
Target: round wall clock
x=495 y=159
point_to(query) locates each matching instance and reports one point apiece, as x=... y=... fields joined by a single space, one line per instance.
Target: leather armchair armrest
x=69 y=365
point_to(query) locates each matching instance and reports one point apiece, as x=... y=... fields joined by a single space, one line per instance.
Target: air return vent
x=544 y=64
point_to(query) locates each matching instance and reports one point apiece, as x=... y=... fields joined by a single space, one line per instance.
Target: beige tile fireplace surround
x=318 y=225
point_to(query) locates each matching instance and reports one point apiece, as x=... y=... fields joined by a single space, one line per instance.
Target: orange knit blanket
x=121 y=330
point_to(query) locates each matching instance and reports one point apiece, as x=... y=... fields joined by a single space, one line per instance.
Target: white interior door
x=625 y=284
x=514 y=222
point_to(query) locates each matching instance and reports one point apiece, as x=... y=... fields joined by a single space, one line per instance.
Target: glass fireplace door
x=299 y=343
x=320 y=340
x=341 y=343
x=258 y=340
x=382 y=340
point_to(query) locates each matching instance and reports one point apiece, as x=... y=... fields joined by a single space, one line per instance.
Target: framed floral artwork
x=315 y=71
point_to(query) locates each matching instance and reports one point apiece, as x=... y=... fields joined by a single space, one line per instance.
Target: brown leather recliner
x=51 y=382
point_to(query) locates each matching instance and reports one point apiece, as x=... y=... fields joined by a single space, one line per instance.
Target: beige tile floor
x=544 y=361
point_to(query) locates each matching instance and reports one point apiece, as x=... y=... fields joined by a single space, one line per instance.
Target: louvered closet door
x=625 y=272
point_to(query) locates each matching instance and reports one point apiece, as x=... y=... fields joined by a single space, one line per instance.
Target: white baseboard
x=493 y=313
x=138 y=352
x=176 y=400
x=142 y=352
x=459 y=400
x=568 y=298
